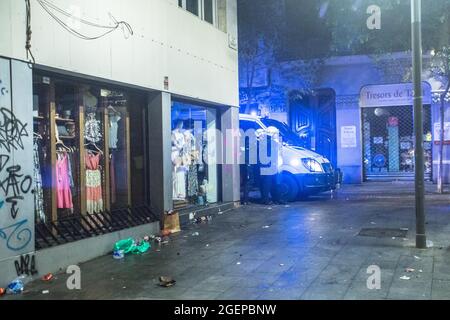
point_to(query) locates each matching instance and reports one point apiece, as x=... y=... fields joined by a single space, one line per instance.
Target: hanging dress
x=63 y=191
x=93 y=184
x=38 y=192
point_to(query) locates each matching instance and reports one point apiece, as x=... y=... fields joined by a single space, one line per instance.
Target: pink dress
x=93 y=184
x=63 y=192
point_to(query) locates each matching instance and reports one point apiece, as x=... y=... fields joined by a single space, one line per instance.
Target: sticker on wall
x=437 y=131
x=166 y=83
x=348 y=137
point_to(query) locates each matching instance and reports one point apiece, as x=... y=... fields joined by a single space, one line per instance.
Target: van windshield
x=289 y=137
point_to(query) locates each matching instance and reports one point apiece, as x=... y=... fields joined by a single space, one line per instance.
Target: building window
x=208 y=11
x=211 y=11
x=192 y=6
x=221 y=15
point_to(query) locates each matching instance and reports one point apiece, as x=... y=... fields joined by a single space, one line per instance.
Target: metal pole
x=421 y=239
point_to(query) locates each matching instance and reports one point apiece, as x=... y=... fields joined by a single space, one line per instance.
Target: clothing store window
x=83 y=153
x=194 y=159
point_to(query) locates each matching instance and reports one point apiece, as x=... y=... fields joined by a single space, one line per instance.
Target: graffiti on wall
x=26 y=265
x=16 y=182
x=17 y=235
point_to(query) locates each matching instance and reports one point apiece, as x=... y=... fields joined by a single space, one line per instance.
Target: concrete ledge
x=206 y=211
x=57 y=259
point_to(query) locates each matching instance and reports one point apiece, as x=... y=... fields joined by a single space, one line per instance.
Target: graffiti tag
x=15 y=185
x=26 y=265
x=3 y=90
x=20 y=236
x=12 y=130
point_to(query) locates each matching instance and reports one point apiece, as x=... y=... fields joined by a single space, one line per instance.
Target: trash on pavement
x=172 y=222
x=405 y=278
x=47 y=277
x=409 y=270
x=238 y=263
x=165 y=233
x=118 y=254
x=16 y=286
x=45 y=292
x=266 y=227
x=195 y=234
x=166 y=282
x=204 y=219
x=430 y=244
x=417 y=258
x=130 y=246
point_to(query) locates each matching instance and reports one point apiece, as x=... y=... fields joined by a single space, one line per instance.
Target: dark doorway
x=313 y=118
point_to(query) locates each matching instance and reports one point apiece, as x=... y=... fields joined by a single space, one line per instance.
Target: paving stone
x=311 y=250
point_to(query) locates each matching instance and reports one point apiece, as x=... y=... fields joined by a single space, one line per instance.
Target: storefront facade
x=360 y=116
x=100 y=138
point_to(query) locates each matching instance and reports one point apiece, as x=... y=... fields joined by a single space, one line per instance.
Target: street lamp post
x=416 y=19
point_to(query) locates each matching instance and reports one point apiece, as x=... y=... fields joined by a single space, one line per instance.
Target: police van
x=301 y=172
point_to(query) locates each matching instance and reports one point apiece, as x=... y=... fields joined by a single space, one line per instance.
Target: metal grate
x=388 y=137
x=383 y=233
x=79 y=227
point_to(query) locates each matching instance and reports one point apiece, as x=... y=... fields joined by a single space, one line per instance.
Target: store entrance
x=388 y=142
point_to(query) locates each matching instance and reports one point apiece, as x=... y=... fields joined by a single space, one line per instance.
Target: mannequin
x=179 y=166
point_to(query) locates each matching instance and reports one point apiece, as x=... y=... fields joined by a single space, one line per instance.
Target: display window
x=194 y=158
x=83 y=153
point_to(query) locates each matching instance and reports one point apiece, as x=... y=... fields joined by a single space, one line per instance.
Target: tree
x=260 y=27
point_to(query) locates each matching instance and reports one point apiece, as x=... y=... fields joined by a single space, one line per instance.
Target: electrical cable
x=48 y=7
x=30 y=55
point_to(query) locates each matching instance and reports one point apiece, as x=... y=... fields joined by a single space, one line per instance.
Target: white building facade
x=93 y=95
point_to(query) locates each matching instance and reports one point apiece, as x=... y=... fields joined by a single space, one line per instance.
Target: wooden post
x=106 y=155
x=52 y=141
x=128 y=148
x=82 y=162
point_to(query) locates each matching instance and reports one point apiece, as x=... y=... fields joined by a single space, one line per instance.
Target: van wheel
x=287 y=188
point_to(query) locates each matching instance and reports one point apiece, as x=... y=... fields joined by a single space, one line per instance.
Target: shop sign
x=348 y=137
x=392 y=95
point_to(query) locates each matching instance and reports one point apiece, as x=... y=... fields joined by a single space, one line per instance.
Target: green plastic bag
x=143 y=248
x=129 y=246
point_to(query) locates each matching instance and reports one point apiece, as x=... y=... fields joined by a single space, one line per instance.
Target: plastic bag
x=16 y=286
x=143 y=247
x=130 y=246
x=125 y=245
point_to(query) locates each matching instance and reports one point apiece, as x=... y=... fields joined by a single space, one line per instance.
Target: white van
x=301 y=172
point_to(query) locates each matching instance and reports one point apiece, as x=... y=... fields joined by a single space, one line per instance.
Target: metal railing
x=78 y=227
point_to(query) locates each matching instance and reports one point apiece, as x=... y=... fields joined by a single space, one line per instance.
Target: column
x=230 y=154
x=159 y=152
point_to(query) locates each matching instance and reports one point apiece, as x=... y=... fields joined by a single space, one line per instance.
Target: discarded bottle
x=16 y=287
x=118 y=254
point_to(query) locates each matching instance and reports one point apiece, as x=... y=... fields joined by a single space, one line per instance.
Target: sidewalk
x=306 y=250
